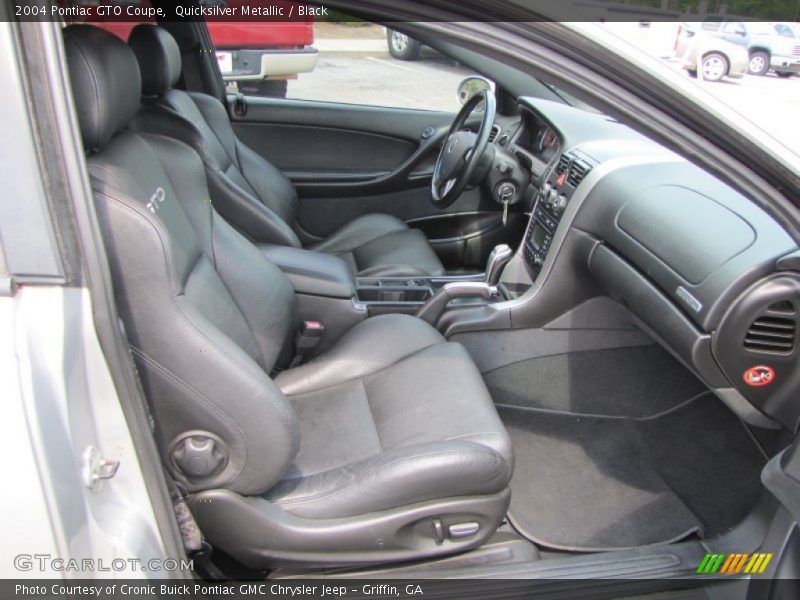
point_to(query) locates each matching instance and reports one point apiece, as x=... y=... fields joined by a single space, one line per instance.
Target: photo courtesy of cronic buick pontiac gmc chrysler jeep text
x=525 y=308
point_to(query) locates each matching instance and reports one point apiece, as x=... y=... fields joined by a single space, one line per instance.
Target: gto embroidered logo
x=156 y=199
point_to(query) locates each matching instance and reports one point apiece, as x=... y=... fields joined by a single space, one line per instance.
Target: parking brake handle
x=434 y=308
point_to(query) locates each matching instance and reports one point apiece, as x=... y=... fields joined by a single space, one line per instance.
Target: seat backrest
x=206 y=313
x=246 y=189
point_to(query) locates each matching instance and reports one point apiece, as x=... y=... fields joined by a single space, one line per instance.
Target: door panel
x=325 y=153
x=392 y=122
x=345 y=150
x=349 y=160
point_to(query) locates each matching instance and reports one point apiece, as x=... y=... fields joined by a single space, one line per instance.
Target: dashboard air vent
x=563 y=164
x=494 y=133
x=577 y=173
x=771 y=334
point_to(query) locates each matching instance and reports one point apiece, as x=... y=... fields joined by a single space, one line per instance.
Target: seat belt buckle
x=307 y=338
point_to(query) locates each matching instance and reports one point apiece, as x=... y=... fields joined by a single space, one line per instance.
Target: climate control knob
x=559 y=204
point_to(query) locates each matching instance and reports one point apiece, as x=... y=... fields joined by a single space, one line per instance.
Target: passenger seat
x=386 y=447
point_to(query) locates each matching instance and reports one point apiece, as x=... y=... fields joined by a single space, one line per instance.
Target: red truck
x=259 y=55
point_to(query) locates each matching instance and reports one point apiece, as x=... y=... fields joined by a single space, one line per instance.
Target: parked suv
x=774 y=46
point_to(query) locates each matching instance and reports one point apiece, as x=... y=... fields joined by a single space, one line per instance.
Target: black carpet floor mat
x=590 y=483
x=612 y=382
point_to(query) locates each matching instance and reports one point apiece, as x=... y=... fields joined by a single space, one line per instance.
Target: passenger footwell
x=590 y=483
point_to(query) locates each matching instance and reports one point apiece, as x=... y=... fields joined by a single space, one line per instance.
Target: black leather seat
x=385 y=447
x=250 y=192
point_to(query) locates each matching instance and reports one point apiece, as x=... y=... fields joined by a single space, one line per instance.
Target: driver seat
x=250 y=192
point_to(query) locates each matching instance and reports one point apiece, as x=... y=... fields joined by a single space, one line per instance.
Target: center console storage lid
x=313 y=273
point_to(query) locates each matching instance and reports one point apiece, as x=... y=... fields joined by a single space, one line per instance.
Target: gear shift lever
x=436 y=305
x=498 y=259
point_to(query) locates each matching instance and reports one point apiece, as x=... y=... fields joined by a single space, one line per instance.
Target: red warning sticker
x=759 y=375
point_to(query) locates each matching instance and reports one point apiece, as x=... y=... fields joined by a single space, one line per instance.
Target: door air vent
x=577 y=172
x=771 y=333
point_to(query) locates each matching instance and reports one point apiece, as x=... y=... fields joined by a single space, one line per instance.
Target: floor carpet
x=613 y=382
x=605 y=471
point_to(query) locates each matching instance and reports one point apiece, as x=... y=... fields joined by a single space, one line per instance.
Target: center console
x=552 y=201
x=431 y=295
x=330 y=296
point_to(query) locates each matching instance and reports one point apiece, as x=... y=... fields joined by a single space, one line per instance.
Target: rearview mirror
x=471 y=86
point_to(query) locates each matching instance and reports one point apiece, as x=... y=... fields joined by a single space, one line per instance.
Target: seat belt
x=197 y=548
x=308 y=336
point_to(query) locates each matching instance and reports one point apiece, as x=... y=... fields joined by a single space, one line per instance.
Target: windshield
x=570 y=99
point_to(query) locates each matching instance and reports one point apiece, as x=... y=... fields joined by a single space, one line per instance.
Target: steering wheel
x=462 y=151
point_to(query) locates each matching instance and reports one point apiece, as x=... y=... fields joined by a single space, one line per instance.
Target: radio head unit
x=550 y=205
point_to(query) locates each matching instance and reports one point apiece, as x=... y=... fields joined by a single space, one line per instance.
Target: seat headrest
x=159 y=58
x=105 y=82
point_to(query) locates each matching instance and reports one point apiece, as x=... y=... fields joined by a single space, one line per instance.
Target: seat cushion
x=378 y=245
x=388 y=425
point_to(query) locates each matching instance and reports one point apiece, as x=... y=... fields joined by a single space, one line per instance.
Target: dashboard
x=705 y=271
